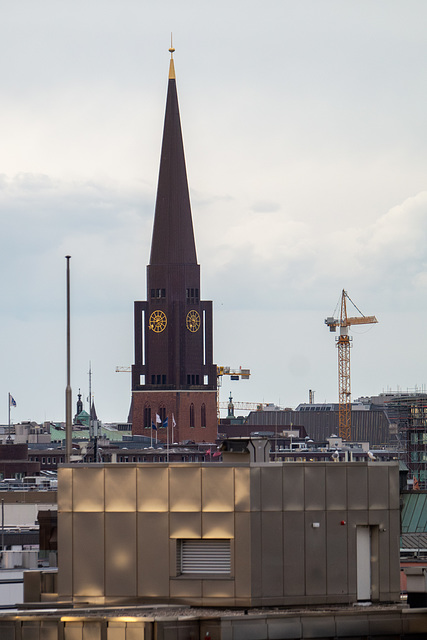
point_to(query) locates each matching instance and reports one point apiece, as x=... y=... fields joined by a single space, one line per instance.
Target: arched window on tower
x=192 y=415
x=203 y=415
x=147 y=416
x=162 y=414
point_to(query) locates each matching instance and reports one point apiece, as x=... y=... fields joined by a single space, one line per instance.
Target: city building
x=369 y=422
x=241 y=533
x=408 y=412
x=174 y=384
x=15 y=462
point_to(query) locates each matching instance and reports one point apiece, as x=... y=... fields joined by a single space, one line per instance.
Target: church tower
x=174 y=383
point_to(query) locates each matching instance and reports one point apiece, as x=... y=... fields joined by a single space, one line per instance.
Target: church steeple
x=173 y=236
x=174 y=379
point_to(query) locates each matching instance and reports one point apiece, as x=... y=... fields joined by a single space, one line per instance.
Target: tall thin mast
x=68 y=427
x=8 y=429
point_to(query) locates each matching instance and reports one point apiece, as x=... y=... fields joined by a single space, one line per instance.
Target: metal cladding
x=231 y=534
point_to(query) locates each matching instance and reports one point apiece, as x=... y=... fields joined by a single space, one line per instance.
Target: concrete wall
x=292 y=529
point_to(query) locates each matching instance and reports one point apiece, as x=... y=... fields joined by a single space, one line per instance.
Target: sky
x=305 y=138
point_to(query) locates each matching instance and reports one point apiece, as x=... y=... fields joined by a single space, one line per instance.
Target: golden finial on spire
x=171 y=64
x=171 y=47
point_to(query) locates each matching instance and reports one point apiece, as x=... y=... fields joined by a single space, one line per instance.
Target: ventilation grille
x=204 y=556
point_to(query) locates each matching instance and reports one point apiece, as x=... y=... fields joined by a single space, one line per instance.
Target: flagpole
x=8 y=429
x=68 y=425
x=151 y=435
x=167 y=440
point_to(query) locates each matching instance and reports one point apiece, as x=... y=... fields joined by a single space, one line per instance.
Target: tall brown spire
x=173 y=236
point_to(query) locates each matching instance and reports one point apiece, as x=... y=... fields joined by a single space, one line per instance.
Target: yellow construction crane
x=244 y=406
x=235 y=374
x=343 y=343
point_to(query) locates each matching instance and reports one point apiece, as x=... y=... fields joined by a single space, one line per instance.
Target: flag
x=12 y=402
x=208 y=452
x=165 y=423
x=216 y=454
x=158 y=420
x=153 y=426
x=173 y=421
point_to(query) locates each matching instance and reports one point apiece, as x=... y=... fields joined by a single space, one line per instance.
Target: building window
x=203 y=415
x=162 y=416
x=147 y=417
x=158 y=293
x=192 y=295
x=192 y=415
x=204 y=556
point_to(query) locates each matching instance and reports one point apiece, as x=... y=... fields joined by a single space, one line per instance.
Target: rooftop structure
x=368 y=424
x=239 y=533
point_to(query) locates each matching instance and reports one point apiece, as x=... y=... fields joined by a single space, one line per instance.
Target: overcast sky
x=304 y=127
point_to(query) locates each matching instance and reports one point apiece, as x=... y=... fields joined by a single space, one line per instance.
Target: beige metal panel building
x=230 y=534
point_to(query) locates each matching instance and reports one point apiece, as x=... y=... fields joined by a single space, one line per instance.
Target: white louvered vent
x=204 y=556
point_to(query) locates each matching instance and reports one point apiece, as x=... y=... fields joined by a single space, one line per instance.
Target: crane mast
x=343 y=343
x=344 y=382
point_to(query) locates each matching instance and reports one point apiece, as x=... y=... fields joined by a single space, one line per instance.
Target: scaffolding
x=409 y=413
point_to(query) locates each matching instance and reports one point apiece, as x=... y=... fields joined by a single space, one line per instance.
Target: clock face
x=193 y=321
x=157 y=321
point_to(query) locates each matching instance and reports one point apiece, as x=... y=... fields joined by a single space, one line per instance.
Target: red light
x=343 y=522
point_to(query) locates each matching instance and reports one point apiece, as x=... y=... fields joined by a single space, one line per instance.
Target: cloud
x=101 y=225
x=288 y=262
x=264 y=206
